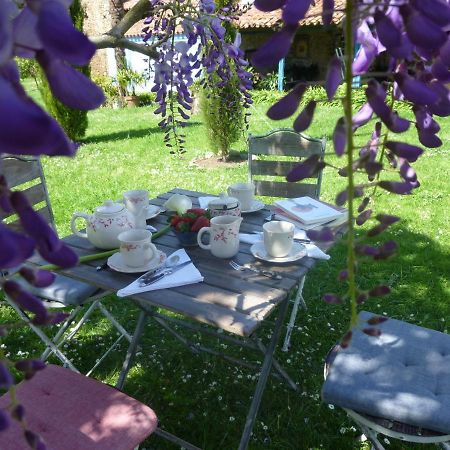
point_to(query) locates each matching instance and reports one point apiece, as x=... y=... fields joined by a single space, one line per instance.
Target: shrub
x=147 y=98
x=73 y=121
x=264 y=96
x=224 y=116
x=109 y=87
x=129 y=80
x=267 y=82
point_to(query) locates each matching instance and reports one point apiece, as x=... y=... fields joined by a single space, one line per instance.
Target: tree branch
x=115 y=36
x=107 y=41
x=135 y=14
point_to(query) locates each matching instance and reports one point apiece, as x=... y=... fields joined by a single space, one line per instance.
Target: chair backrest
x=275 y=154
x=26 y=174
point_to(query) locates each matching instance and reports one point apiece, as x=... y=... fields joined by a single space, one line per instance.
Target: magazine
x=307 y=210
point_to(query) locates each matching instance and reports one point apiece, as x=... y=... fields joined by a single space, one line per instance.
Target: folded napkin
x=187 y=275
x=204 y=201
x=311 y=250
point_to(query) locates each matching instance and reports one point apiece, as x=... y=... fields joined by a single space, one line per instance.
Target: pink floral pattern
x=135 y=200
x=226 y=212
x=121 y=222
x=224 y=235
x=128 y=247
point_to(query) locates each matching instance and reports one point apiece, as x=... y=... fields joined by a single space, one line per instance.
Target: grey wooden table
x=235 y=301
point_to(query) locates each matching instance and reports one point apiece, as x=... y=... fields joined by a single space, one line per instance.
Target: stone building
x=310 y=53
x=313 y=45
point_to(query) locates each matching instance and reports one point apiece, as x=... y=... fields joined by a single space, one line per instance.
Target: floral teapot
x=103 y=227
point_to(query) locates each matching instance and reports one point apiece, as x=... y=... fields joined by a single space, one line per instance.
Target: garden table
x=237 y=302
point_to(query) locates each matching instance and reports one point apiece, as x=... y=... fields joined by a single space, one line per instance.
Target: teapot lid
x=223 y=202
x=109 y=207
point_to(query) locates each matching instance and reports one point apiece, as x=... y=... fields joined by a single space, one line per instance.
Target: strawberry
x=174 y=220
x=197 y=211
x=188 y=219
x=201 y=222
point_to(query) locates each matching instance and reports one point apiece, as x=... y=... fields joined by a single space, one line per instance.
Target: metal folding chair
x=71 y=411
x=274 y=155
x=81 y=298
x=395 y=385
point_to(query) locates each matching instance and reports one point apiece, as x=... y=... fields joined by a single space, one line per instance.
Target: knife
x=146 y=280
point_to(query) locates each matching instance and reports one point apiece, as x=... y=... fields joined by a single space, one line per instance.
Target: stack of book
x=306 y=212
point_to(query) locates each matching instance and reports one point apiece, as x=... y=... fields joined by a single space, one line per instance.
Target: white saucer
x=116 y=263
x=256 y=206
x=152 y=211
x=298 y=251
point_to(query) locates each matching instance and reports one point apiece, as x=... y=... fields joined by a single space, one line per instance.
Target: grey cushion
x=402 y=375
x=64 y=290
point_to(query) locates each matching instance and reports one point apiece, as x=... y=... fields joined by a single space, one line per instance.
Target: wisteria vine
x=205 y=56
x=414 y=34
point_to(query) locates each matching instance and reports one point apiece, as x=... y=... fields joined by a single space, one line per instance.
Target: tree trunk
x=117 y=12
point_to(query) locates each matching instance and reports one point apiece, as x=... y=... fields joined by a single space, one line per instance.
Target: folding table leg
x=262 y=381
x=298 y=299
x=131 y=352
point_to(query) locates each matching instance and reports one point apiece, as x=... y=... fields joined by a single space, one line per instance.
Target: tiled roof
x=254 y=18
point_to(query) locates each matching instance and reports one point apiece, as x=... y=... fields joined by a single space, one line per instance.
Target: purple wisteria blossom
x=41 y=30
x=334 y=76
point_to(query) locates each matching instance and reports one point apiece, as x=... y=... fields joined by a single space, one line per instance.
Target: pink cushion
x=74 y=412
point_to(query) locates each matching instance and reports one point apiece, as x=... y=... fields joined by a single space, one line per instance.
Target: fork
x=266 y=273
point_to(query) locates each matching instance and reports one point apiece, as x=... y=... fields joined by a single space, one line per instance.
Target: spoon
x=172 y=261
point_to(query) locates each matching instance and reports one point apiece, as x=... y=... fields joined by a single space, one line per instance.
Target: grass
x=205 y=400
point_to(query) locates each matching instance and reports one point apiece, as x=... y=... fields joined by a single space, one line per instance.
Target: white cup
x=136 y=201
x=278 y=238
x=244 y=192
x=136 y=247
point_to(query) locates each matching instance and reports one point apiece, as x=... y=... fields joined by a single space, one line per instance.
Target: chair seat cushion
x=63 y=290
x=73 y=412
x=402 y=375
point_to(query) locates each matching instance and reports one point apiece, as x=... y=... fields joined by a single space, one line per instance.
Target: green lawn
x=205 y=400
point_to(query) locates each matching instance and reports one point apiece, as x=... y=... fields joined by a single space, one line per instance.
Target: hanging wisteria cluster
x=205 y=56
x=415 y=36
x=43 y=30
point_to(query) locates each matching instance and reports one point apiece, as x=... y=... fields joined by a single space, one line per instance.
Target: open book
x=307 y=210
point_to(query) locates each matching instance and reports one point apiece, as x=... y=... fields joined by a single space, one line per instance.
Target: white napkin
x=204 y=201
x=187 y=275
x=311 y=250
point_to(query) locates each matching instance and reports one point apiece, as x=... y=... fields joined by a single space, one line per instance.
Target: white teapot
x=103 y=227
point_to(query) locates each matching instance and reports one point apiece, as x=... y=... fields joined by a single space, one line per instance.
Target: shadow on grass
x=205 y=400
x=194 y=395
x=128 y=134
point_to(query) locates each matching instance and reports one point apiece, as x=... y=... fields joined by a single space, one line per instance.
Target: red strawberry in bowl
x=201 y=222
x=198 y=211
